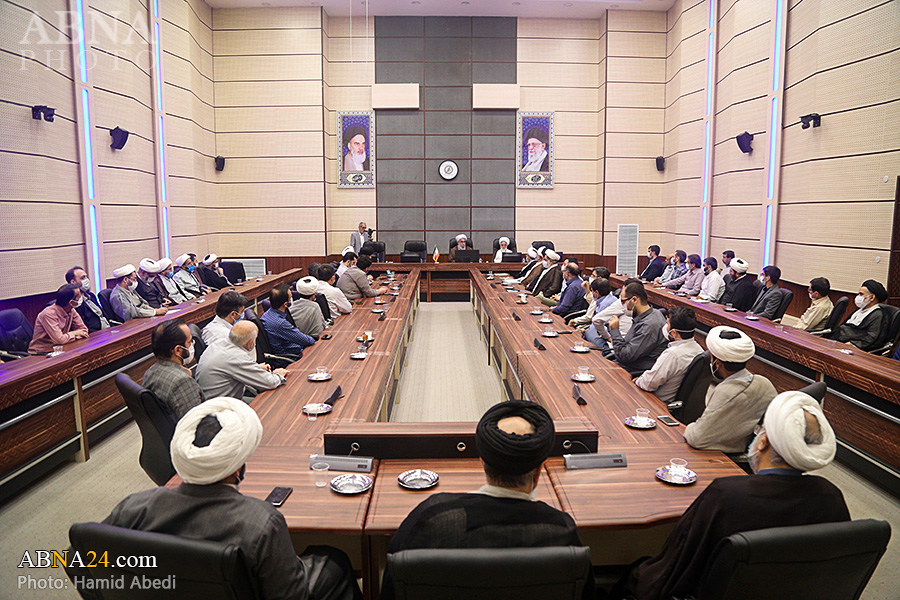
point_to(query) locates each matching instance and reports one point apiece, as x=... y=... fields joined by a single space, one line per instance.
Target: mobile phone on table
x=667 y=420
x=278 y=495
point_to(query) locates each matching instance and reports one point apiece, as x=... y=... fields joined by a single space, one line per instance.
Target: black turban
x=510 y=453
x=536 y=133
x=876 y=288
x=354 y=131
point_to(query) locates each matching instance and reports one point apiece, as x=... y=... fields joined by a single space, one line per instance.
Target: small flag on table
x=436 y=254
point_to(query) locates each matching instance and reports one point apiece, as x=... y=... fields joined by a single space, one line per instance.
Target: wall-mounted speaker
x=743 y=141
x=660 y=163
x=119 y=137
x=220 y=163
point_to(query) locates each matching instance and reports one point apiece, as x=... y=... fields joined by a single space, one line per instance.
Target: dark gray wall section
x=445 y=55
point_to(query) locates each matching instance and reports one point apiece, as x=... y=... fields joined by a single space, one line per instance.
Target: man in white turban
x=210 y=448
x=124 y=299
x=307 y=313
x=504 y=248
x=148 y=272
x=737 y=398
x=796 y=437
x=550 y=280
x=211 y=274
x=462 y=243
x=739 y=291
x=167 y=284
x=532 y=272
x=532 y=261
x=186 y=275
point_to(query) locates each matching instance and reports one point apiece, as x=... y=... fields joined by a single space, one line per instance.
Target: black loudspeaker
x=660 y=163
x=744 y=140
x=119 y=137
x=220 y=163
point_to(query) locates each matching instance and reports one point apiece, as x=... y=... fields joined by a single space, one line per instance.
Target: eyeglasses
x=759 y=429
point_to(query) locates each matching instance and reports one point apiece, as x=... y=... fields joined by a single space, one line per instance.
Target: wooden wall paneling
x=33 y=221
x=269 y=244
x=802 y=262
x=28 y=439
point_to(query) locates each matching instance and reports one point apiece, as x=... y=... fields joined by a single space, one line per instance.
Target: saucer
x=358 y=355
x=418 y=479
x=537 y=311
x=545 y=320
x=550 y=334
x=378 y=310
x=730 y=309
x=583 y=379
x=319 y=408
x=752 y=318
x=682 y=477
x=317 y=377
x=582 y=350
x=647 y=423
x=351 y=483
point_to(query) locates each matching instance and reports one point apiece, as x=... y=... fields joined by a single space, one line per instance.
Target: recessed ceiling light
x=416 y=2
x=517 y=4
x=463 y=2
x=567 y=4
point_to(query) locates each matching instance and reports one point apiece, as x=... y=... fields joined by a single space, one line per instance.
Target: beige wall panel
x=267 y=18
x=301 y=118
x=349 y=198
x=269 y=93
x=571 y=75
x=822 y=13
x=748 y=116
x=253 y=68
x=124 y=186
x=747 y=249
x=852 y=178
x=576 y=123
x=576 y=171
x=121 y=76
x=578 y=147
x=635 y=120
x=263 y=170
x=801 y=263
x=124 y=223
x=348 y=218
x=274 y=220
x=562 y=194
x=686 y=108
x=691 y=16
x=356 y=50
x=570 y=241
x=269 y=144
x=736 y=221
x=185 y=193
x=632 y=194
x=639 y=95
x=636 y=20
x=855 y=132
x=683 y=191
x=634 y=145
x=260 y=42
x=559 y=99
x=274 y=244
x=350 y=98
x=650 y=45
x=641 y=70
x=833 y=224
x=331 y=168
x=58 y=139
x=117 y=254
x=38 y=225
x=186 y=222
x=685 y=164
x=38 y=178
x=685 y=220
x=558 y=50
x=110 y=110
x=185 y=162
x=181 y=132
x=590 y=29
x=25 y=85
x=685 y=136
x=648 y=219
x=729 y=158
x=200 y=113
x=110 y=24
x=269 y=194
x=645 y=239
x=342 y=27
x=352 y=74
x=690 y=75
x=747 y=82
x=44 y=272
x=742 y=17
x=742 y=187
x=557 y=218
x=637 y=170
x=198 y=244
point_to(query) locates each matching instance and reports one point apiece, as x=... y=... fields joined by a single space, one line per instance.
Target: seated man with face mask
x=863 y=327
x=167 y=284
x=210 y=448
x=124 y=299
x=59 y=323
x=735 y=400
x=228 y=366
x=168 y=377
x=665 y=376
x=795 y=437
x=148 y=272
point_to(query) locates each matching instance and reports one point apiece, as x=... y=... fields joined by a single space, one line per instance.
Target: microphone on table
x=538 y=344
x=335 y=395
x=516 y=317
x=383 y=315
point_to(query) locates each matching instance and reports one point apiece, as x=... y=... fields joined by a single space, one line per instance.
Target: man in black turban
x=513 y=440
x=863 y=328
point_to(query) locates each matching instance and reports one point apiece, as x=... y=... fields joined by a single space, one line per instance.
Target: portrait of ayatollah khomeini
x=355 y=156
x=537 y=158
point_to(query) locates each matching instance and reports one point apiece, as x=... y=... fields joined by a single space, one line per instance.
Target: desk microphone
x=538 y=344
x=383 y=315
x=335 y=395
x=516 y=317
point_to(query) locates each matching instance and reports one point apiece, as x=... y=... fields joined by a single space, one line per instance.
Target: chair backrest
x=553 y=572
x=368 y=248
x=837 y=313
x=692 y=392
x=546 y=243
x=380 y=249
x=787 y=296
x=157 y=427
x=15 y=331
x=199 y=568
x=234 y=270
x=806 y=562
x=816 y=390
x=414 y=251
x=511 y=257
x=322 y=301
x=495 y=245
x=469 y=243
x=199 y=345
x=890 y=325
x=263 y=346
x=106 y=306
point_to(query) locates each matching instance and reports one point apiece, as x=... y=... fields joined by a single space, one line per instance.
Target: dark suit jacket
x=654 y=269
x=740 y=293
x=150 y=293
x=91 y=319
x=526 y=268
x=211 y=278
x=864 y=335
x=549 y=283
x=767 y=302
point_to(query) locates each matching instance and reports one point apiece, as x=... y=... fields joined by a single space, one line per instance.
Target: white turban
x=307 y=286
x=532 y=252
x=229 y=448
x=124 y=271
x=182 y=259
x=503 y=239
x=148 y=265
x=348 y=249
x=461 y=236
x=738 y=349
x=739 y=265
x=209 y=259
x=786 y=428
x=164 y=263
x=541 y=250
x=552 y=255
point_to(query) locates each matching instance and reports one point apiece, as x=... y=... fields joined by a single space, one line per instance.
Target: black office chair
x=511 y=257
x=106 y=307
x=15 y=334
x=787 y=296
x=495 y=245
x=379 y=250
x=322 y=301
x=546 y=243
x=541 y=573
x=369 y=249
x=199 y=344
x=414 y=251
x=890 y=330
x=200 y=568
x=234 y=270
x=806 y=562
x=816 y=390
x=264 y=352
x=469 y=243
x=836 y=316
x=157 y=425
x=690 y=400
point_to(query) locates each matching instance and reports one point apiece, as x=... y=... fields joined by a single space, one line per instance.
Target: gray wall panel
x=495 y=27
x=401 y=219
x=484 y=72
x=493 y=49
x=493 y=171
x=447 y=194
x=493 y=194
x=493 y=146
x=399 y=50
x=448 y=73
x=447 y=121
x=447 y=98
x=394 y=240
x=453 y=147
x=399 y=72
x=448 y=26
x=501 y=122
x=399 y=27
x=401 y=146
x=448 y=49
x=493 y=218
x=432 y=175
x=400 y=171
x=447 y=218
x=399 y=122
x=400 y=194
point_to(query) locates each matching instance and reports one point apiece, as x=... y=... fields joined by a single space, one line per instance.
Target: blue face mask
x=170 y=274
x=190 y=269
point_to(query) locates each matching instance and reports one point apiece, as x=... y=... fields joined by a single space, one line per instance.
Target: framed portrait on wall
x=534 y=149
x=356 y=149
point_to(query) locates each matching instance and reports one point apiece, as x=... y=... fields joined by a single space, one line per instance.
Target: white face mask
x=132 y=286
x=649 y=255
x=762 y=277
x=86 y=284
x=591 y=279
x=190 y=355
x=716 y=377
x=861 y=301
x=665 y=332
x=672 y=261
x=80 y=300
x=811 y=296
x=546 y=264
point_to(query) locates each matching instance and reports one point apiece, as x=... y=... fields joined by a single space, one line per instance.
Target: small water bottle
x=479 y=259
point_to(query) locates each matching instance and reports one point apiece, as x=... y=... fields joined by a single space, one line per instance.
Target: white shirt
x=501 y=492
x=665 y=376
x=225 y=369
x=857 y=317
x=616 y=309
x=214 y=331
x=340 y=270
x=337 y=301
x=713 y=287
x=499 y=256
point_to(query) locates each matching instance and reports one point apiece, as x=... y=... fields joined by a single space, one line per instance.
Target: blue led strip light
x=773 y=137
x=706 y=151
x=88 y=156
x=166 y=228
x=712 y=13
x=95 y=245
x=82 y=51
x=768 y=247
x=158 y=58
x=162 y=157
x=776 y=80
x=709 y=75
x=703 y=226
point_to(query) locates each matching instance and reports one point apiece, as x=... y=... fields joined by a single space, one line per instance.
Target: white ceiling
x=551 y=9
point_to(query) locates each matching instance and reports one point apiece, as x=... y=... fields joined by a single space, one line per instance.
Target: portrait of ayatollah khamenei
x=534 y=149
x=356 y=149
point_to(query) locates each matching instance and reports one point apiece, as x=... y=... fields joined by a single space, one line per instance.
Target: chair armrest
x=8 y=356
x=280 y=361
x=821 y=332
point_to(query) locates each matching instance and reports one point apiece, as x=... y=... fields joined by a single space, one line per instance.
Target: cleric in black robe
x=513 y=439
x=796 y=438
